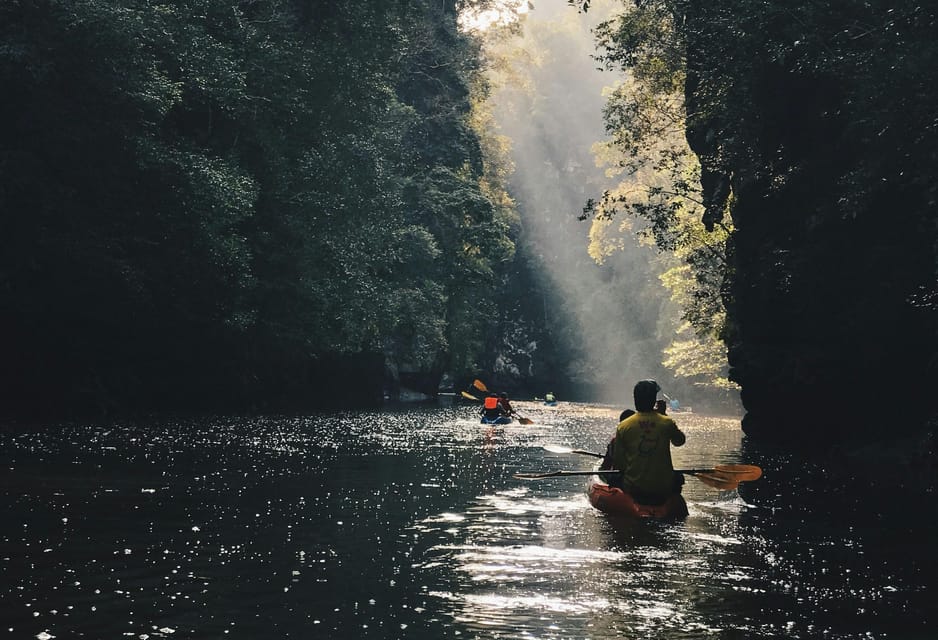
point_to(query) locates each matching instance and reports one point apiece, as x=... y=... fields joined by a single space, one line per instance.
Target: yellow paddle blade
x=469 y=396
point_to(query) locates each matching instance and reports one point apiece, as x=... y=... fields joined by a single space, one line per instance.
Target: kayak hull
x=550 y=404
x=615 y=501
x=498 y=420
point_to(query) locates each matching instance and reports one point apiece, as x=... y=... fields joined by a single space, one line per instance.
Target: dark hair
x=626 y=414
x=644 y=394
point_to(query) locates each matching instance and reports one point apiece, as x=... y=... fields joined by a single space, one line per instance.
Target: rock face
x=831 y=285
x=821 y=319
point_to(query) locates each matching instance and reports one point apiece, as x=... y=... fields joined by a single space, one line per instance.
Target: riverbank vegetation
x=814 y=130
x=239 y=204
x=272 y=205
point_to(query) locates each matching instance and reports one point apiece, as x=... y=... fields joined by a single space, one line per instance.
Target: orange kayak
x=615 y=501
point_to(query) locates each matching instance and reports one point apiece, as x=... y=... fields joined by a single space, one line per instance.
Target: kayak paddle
x=720 y=474
x=715 y=481
x=557 y=474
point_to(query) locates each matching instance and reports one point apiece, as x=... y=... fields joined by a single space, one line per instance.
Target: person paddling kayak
x=642 y=449
x=496 y=409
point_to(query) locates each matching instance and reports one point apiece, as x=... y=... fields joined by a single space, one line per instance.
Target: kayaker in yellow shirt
x=643 y=449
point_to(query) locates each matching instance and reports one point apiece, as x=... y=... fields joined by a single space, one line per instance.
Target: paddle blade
x=554 y=448
x=535 y=476
x=478 y=384
x=469 y=396
x=717 y=482
x=740 y=472
x=525 y=420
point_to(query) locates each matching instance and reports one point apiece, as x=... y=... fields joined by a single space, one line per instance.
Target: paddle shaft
x=716 y=482
x=600 y=455
x=740 y=472
x=553 y=474
x=557 y=474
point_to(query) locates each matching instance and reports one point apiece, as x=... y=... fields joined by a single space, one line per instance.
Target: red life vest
x=491 y=402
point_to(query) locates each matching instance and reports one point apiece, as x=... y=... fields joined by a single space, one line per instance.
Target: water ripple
x=408 y=523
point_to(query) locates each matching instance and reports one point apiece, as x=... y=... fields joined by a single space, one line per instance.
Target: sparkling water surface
x=408 y=524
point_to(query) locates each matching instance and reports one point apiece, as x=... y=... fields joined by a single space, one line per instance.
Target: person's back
x=643 y=448
x=492 y=407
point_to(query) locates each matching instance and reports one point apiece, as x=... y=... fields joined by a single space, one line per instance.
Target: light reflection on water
x=407 y=524
x=539 y=561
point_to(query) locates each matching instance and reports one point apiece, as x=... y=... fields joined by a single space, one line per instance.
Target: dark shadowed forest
x=278 y=205
x=815 y=130
x=254 y=205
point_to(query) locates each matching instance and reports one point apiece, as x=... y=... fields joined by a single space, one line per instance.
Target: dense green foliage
x=815 y=129
x=249 y=203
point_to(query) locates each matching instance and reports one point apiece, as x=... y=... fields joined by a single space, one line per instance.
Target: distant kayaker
x=496 y=405
x=492 y=407
x=643 y=449
x=550 y=397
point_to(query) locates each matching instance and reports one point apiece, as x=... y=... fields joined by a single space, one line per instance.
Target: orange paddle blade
x=740 y=472
x=717 y=482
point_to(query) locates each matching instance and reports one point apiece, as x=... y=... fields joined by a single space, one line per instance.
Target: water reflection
x=536 y=559
x=407 y=524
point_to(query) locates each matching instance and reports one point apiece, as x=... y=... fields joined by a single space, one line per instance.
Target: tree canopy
x=210 y=202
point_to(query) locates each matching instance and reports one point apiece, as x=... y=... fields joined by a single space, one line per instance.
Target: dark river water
x=408 y=524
